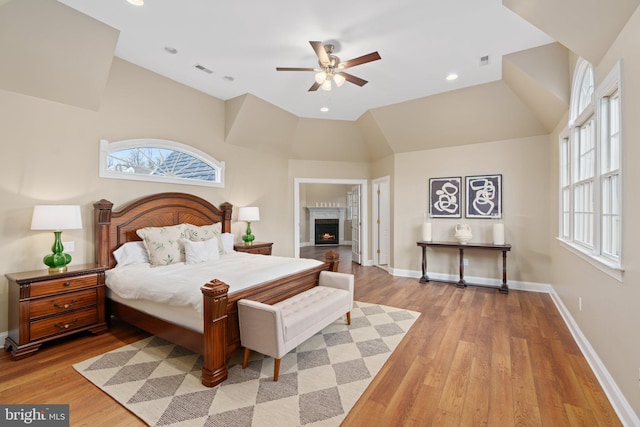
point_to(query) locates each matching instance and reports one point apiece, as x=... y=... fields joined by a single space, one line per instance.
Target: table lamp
x=249 y=214
x=56 y=218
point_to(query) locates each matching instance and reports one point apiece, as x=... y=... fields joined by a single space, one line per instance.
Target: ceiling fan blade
x=373 y=56
x=294 y=69
x=314 y=86
x=320 y=52
x=353 y=79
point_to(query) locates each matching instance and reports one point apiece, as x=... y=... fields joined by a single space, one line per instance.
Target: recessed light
x=203 y=68
x=136 y=2
x=452 y=76
x=171 y=50
x=324 y=109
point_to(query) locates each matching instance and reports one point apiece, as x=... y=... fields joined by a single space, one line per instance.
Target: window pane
x=586 y=90
x=159 y=161
x=583 y=213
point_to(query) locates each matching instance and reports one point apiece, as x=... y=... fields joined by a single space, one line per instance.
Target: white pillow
x=206 y=232
x=163 y=243
x=131 y=253
x=227 y=242
x=201 y=251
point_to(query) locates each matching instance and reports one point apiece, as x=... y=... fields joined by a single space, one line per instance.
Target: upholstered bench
x=276 y=329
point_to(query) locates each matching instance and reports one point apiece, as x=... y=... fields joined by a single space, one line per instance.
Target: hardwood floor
x=474 y=357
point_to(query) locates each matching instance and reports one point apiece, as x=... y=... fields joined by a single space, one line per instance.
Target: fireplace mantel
x=326 y=212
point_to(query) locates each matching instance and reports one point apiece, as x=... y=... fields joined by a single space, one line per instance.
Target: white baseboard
x=620 y=404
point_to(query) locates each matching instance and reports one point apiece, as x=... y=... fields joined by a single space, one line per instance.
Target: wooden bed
x=221 y=336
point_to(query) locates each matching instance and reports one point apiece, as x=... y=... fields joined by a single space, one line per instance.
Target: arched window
x=590 y=175
x=160 y=161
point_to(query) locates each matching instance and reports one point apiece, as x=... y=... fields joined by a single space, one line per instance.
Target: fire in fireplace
x=327 y=232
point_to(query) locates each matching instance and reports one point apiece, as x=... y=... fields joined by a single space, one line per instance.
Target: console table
x=461 y=248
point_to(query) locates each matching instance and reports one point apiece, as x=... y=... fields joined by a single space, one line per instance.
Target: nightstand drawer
x=261 y=251
x=56 y=286
x=61 y=324
x=62 y=303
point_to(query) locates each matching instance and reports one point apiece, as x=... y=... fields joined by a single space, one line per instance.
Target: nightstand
x=45 y=306
x=260 y=248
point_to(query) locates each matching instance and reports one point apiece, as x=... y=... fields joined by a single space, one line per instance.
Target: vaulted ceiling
x=65 y=56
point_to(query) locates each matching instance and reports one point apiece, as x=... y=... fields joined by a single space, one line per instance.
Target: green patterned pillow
x=163 y=243
x=206 y=232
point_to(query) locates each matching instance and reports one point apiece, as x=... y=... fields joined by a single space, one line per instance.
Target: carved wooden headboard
x=114 y=228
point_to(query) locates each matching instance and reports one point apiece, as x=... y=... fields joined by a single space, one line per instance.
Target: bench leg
x=276 y=369
x=348 y=317
x=245 y=359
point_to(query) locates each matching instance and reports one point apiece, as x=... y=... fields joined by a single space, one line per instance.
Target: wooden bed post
x=214 y=370
x=333 y=259
x=102 y=222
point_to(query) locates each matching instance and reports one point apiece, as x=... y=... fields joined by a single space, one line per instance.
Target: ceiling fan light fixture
x=339 y=79
x=326 y=85
x=321 y=77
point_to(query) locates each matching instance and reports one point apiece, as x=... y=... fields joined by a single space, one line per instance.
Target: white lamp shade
x=339 y=79
x=56 y=217
x=249 y=214
x=326 y=85
x=321 y=77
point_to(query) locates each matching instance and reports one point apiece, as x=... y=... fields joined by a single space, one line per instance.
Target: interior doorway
x=362 y=234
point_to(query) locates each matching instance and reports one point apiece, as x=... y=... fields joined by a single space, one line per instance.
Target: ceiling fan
x=331 y=67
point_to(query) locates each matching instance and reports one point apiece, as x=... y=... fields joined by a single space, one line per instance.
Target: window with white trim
x=590 y=168
x=159 y=161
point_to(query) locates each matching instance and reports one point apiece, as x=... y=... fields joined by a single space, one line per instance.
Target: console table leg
x=461 y=283
x=504 y=289
x=424 y=278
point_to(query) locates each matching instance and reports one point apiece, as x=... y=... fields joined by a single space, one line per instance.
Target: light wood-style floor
x=474 y=357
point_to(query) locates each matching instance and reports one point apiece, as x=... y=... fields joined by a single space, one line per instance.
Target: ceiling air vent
x=203 y=68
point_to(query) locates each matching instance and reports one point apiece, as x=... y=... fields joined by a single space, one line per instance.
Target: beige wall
x=524 y=165
x=610 y=316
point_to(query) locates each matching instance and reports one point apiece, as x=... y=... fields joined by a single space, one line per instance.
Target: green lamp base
x=57 y=261
x=248 y=238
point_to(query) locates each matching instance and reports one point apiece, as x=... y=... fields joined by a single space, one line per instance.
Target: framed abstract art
x=484 y=196
x=445 y=197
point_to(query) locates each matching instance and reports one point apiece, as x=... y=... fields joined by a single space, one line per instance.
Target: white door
x=381 y=221
x=354 y=206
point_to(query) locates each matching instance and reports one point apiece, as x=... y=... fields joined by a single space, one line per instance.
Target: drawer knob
x=65 y=306
x=66 y=325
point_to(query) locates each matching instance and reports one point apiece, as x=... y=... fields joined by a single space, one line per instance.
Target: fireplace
x=327 y=231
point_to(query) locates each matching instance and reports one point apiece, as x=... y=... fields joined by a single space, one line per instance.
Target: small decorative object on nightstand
x=249 y=214
x=44 y=306
x=260 y=248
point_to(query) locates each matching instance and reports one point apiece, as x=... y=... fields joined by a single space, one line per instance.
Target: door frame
x=364 y=206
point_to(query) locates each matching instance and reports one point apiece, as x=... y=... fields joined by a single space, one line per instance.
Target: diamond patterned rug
x=319 y=381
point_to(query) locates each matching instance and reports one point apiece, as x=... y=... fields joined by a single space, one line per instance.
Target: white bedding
x=179 y=284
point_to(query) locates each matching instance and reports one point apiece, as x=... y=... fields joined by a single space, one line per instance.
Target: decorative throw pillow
x=163 y=243
x=131 y=253
x=206 y=232
x=200 y=251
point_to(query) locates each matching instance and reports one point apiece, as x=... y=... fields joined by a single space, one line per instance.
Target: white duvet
x=179 y=284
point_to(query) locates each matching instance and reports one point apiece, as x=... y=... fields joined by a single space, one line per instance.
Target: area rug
x=319 y=381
